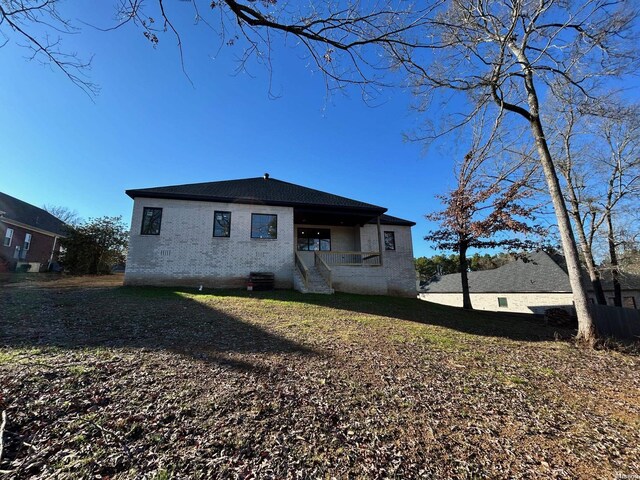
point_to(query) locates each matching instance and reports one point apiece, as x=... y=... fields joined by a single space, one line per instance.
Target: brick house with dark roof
x=526 y=285
x=529 y=285
x=29 y=235
x=215 y=234
x=630 y=286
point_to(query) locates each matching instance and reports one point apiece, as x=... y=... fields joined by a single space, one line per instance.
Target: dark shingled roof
x=390 y=220
x=540 y=273
x=28 y=214
x=260 y=190
x=628 y=281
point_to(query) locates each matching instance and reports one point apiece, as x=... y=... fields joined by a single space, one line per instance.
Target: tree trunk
x=466 y=296
x=95 y=261
x=586 y=326
x=615 y=269
x=93 y=266
x=587 y=253
x=596 y=283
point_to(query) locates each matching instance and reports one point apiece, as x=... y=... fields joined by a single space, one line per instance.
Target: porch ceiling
x=347 y=218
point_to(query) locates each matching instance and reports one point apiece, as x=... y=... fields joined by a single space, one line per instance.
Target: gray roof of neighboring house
x=628 y=281
x=25 y=213
x=265 y=191
x=540 y=273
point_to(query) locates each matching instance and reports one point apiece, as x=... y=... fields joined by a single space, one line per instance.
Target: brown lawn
x=101 y=381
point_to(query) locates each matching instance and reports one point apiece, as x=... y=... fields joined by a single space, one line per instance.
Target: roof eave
x=374 y=209
x=27 y=226
x=406 y=223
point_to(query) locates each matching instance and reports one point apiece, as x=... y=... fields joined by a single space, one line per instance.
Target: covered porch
x=332 y=245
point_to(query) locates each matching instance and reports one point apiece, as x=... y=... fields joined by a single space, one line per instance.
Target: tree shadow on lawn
x=138 y=318
x=514 y=326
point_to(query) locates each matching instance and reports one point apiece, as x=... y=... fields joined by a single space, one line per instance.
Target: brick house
x=29 y=235
x=214 y=234
x=630 y=286
x=524 y=287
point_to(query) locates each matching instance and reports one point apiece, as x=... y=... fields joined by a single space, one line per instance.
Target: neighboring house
x=526 y=287
x=215 y=234
x=29 y=235
x=630 y=284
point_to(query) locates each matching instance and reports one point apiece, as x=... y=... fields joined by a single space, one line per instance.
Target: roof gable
x=539 y=273
x=27 y=214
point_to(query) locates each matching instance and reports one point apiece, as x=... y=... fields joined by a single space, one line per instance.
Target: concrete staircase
x=317 y=283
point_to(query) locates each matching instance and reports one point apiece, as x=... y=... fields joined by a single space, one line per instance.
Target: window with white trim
x=27 y=242
x=8 y=236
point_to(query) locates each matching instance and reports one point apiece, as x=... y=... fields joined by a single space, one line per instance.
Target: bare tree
x=68 y=216
x=485 y=210
x=629 y=240
x=38 y=26
x=325 y=29
x=599 y=159
x=620 y=161
x=571 y=148
x=504 y=53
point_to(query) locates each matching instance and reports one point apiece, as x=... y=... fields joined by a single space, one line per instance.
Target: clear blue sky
x=150 y=126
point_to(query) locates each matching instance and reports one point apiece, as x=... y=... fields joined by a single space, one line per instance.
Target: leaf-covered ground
x=101 y=381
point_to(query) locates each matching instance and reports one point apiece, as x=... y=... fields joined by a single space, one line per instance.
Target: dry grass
x=58 y=280
x=99 y=380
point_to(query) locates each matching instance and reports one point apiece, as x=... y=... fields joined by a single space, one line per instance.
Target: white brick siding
x=630 y=298
x=516 y=302
x=395 y=277
x=187 y=253
x=398 y=270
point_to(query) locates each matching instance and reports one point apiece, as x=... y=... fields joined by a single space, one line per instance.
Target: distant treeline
x=444 y=264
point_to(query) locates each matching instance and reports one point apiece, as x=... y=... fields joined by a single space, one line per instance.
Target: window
x=221 y=224
x=264 y=226
x=27 y=242
x=151 y=220
x=502 y=302
x=389 y=240
x=7 y=237
x=310 y=239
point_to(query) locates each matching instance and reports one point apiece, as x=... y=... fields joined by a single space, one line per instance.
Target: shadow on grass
x=139 y=318
x=167 y=319
x=514 y=326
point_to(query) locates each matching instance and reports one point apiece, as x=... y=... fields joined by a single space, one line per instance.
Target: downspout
x=379 y=240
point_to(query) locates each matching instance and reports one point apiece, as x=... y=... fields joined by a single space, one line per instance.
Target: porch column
x=379 y=239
